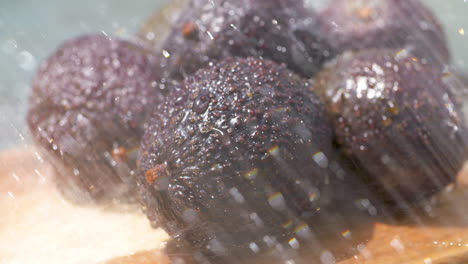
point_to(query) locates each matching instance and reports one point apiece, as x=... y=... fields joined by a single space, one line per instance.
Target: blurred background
x=30 y=30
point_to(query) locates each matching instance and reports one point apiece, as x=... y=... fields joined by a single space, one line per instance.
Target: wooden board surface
x=37 y=224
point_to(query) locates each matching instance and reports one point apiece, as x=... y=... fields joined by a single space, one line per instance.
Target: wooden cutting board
x=38 y=226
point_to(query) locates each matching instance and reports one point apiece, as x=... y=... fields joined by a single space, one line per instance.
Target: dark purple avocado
x=211 y=30
x=234 y=166
x=88 y=106
x=398 y=119
x=399 y=24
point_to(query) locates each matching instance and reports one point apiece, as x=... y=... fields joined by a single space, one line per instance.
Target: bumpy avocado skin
x=398 y=119
x=237 y=162
x=87 y=110
x=208 y=31
x=363 y=24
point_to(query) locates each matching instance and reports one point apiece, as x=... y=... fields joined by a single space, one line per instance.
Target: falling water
x=39 y=226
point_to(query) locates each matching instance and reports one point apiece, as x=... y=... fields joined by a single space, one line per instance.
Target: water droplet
x=269 y=241
x=15 y=177
x=216 y=247
x=294 y=243
x=274 y=151
x=377 y=69
x=237 y=195
x=116 y=63
x=166 y=54
x=201 y=104
x=9 y=46
x=397 y=245
x=38 y=157
x=87 y=71
x=150 y=35
x=276 y=200
x=327 y=258
x=254 y=247
x=287 y=224
x=321 y=159
x=346 y=234
x=131 y=72
x=427 y=261
x=303 y=231
x=401 y=54
x=252 y=174
x=26 y=60
x=314 y=194
x=254 y=217
x=364 y=251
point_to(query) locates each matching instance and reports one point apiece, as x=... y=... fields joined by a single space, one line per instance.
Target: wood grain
x=25 y=179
